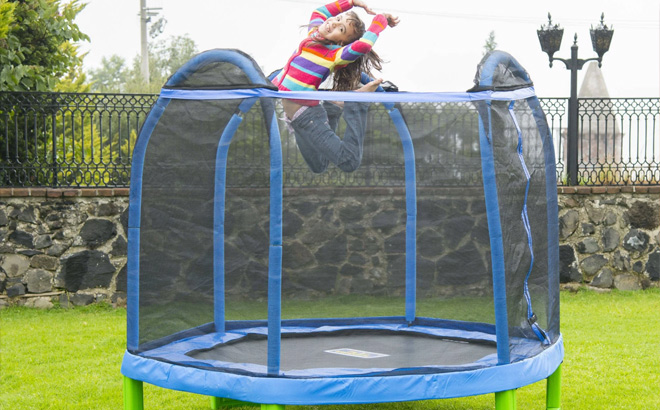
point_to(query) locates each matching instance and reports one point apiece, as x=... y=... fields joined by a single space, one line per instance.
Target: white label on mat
x=356 y=353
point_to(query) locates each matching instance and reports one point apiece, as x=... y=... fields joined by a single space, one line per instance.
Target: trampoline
x=430 y=272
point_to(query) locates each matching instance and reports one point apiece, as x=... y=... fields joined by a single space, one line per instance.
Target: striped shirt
x=313 y=61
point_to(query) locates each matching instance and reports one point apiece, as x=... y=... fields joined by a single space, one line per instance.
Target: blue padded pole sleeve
x=137 y=165
x=219 y=222
x=495 y=233
x=275 y=184
x=496 y=58
x=384 y=97
x=133 y=290
x=411 y=213
x=274 y=74
x=274 y=308
x=240 y=60
x=275 y=251
x=411 y=203
x=134 y=223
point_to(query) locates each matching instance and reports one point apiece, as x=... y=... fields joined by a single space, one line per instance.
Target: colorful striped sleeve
x=323 y=13
x=361 y=46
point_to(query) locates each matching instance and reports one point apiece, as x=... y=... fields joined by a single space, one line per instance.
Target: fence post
x=55 y=182
x=572 y=140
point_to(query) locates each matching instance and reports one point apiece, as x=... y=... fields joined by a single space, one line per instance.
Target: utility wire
x=637 y=24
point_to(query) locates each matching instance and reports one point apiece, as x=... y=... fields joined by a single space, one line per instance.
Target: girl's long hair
x=348 y=77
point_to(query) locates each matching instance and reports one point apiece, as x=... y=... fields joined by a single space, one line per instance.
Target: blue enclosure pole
x=486 y=76
x=411 y=204
x=411 y=213
x=219 y=214
x=495 y=232
x=134 y=223
x=219 y=223
x=275 y=250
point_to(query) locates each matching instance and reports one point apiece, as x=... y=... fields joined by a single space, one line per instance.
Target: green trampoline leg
x=272 y=407
x=553 y=394
x=505 y=400
x=133 y=394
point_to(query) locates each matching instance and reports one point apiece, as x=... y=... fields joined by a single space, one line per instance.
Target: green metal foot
x=553 y=394
x=505 y=400
x=133 y=398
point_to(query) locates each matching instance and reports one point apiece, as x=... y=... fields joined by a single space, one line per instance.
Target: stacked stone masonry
x=68 y=247
x=62 y=246
x=610 y=238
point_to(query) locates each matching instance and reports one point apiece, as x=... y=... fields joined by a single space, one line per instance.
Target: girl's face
x=338 y=30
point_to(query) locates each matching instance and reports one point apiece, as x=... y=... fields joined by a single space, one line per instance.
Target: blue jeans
x=318 y=142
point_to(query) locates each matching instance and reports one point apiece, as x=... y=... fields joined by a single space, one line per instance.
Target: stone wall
x=69 y=246
x=66 y=246
x=609 y=237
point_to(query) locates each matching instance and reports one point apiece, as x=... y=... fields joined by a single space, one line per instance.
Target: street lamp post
x=550 y=38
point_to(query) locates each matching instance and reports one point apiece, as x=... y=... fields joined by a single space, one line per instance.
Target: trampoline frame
x=136 y=369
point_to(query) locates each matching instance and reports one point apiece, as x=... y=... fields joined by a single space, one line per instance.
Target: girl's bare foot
x=371 y=86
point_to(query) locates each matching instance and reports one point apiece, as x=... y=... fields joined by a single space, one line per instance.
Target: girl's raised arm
x=360 y=3
x=392 y=21
x=323 y=13
x=361 y=46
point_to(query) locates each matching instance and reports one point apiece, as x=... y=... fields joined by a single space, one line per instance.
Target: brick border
x=62 y=192
x=121 y=192
x=626 y=189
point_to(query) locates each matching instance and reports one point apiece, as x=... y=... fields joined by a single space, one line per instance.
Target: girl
x=336 y=43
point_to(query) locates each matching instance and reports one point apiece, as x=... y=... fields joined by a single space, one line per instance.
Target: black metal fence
x=618 y=141
x=78 y=140
x=69 y=140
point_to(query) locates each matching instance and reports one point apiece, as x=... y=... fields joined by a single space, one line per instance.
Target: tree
x=165 y=57
x=111 y=76
x=38 y=52
x=491 y=44
x=6 y=17
x=75 y=80
x=37 y=45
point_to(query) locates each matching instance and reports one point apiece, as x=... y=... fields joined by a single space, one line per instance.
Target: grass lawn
x=70 y=359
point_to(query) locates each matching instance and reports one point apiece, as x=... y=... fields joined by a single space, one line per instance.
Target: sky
x=436 y=47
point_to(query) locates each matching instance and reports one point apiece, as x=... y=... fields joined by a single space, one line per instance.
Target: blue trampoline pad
x=331 y=349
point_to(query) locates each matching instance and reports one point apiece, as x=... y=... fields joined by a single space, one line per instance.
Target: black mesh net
x=344 y=234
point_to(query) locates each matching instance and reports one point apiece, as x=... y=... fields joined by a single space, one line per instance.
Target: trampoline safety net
x=449 y=218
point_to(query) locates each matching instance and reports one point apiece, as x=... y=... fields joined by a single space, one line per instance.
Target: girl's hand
x=392 y=21
x=360 y=3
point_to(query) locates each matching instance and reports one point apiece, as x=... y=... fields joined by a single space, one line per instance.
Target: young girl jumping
x=337 y=42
